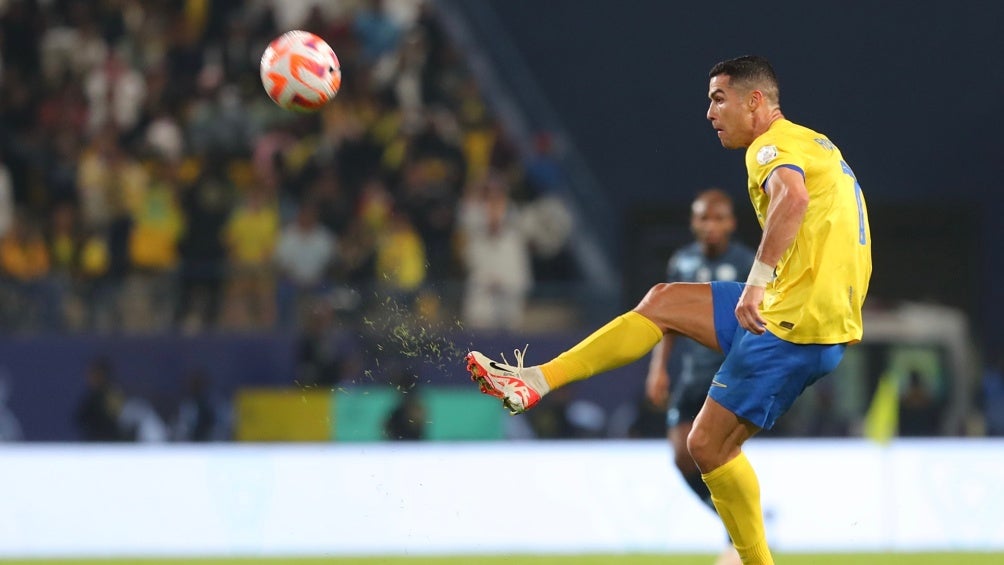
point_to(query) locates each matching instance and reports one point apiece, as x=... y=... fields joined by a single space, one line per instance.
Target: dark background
x=910 y=92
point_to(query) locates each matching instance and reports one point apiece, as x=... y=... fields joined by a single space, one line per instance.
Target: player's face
x=730 y=113
x=712 y=222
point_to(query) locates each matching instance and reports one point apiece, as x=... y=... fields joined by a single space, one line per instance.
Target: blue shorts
x=762 y=375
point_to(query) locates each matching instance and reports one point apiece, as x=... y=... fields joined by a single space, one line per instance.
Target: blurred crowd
x=148 y=184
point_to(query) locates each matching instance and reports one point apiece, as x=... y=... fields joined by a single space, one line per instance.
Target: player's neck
x=763 y=121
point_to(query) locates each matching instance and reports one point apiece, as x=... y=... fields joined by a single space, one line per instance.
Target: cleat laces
x=518 y=355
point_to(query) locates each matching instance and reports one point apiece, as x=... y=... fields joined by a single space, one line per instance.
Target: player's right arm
x=657 y=382
x=789 y=200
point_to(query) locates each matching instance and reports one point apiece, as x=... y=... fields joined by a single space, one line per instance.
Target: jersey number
x=857 y=195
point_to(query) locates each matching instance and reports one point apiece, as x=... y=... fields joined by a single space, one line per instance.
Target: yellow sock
x=624 y=339
x=735 y=491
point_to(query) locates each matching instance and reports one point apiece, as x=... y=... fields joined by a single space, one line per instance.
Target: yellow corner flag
x=882 y=419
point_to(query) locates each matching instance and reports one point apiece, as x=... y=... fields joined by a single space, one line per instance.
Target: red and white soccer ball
x=300 y=71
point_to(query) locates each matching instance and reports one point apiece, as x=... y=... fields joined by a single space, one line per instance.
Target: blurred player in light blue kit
x=711 y=256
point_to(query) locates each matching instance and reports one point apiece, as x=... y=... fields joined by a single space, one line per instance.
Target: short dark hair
x=750 y=72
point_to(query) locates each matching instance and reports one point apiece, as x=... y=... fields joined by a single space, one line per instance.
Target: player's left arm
x=789 y=200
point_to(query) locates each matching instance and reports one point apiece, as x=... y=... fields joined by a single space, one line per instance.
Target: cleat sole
x=478 y=376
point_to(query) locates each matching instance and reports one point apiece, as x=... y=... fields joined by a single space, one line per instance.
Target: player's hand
x=657 y=387
x=748 y=309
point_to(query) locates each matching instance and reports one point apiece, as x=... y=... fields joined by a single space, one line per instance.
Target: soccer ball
x=300 y=71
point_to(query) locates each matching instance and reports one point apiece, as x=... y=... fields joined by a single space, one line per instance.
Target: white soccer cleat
x=504 y=381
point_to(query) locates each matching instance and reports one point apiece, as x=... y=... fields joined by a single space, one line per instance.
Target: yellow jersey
x=822 y=279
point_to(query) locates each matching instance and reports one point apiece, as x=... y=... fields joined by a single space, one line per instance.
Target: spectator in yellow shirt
x=157 y=225
x=250 y=236
x=400 y=260
x=25 y=263
x=23 y=253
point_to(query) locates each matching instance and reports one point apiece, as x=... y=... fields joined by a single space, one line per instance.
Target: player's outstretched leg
x=626 y=338
x=681 y=308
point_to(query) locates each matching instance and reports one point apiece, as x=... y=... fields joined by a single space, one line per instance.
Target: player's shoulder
x=784 y=137
x=786 y=130
x=811 y=139
x=764 y=148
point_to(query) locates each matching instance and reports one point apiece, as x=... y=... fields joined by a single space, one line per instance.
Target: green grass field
x=782 y=559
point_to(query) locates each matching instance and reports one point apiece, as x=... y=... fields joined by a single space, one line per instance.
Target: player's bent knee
x=660 y=299
x=699 y=447
x=660 y=293
x=682 y=308
x=707 y=448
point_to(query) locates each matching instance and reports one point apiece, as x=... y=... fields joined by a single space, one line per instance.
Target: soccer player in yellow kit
x=782 y=330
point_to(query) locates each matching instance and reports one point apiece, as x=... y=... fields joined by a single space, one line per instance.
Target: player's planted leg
x=715 y=443
x=678 y=434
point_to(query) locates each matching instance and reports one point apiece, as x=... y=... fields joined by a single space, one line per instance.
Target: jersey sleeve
x=764 y=157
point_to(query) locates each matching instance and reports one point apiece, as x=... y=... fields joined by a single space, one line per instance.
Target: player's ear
x=755 y=99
